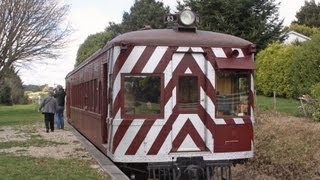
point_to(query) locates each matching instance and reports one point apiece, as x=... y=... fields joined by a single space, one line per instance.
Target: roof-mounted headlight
x=187 y=17
x=186 y=21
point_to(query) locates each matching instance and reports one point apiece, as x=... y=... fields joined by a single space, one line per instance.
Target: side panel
x=84 y=101
x=233 y=138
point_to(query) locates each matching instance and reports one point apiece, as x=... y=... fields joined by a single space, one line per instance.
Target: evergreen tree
x=255 y=20
x=309 y=14
x=143 y=13
x=92 y=44
x=11 y=88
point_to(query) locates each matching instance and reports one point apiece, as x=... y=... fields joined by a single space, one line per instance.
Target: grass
x=19 y=114
x=37 y=142
x=25 y=167
x=286 y=147
x=288 y=106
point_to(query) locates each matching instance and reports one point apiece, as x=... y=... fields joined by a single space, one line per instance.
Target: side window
x=232 y=93
x=142 y=94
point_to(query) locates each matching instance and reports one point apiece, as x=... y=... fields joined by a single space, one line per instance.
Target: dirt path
x=59 y=144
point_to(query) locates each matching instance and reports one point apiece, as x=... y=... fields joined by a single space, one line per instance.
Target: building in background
x=294 y=36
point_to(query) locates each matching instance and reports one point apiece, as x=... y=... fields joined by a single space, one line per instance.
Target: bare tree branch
x=31 y=30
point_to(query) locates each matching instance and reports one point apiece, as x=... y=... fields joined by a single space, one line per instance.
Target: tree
x=308 y=14
x=30 y=30
x=11 y=89
x=255 y=20
x=302 y=29
x=92 y=44
x=32 y=88
x=306 y=66
x=143 y=13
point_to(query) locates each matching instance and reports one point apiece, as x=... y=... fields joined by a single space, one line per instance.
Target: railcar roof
x=170 y=37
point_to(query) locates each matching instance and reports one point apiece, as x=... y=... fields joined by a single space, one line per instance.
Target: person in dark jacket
x=60 y=95
x=48 y=107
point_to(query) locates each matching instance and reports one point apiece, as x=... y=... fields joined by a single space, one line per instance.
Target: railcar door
x=189 y=77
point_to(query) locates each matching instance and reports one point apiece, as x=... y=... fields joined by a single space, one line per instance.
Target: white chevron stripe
x=127 y=67
x=176 y=59
x=203 y=98
x=220 y=121
x=218 y=52
x=170 y=104
x=197 y=49
x=117 y=116
x=183 y=49
x=188 y=145
x=154 y=59
x=181 y=120
x=252 y=86
x=150 y=138
x=127 y=139
x=252 y=116
x=188 y=71
x=200 y=61
x=116 y=53
x=212 y=74
x=167 y=74
x=209 y=106
x=252 y=90
x=238 y=120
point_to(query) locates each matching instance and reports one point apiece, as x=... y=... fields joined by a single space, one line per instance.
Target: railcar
x=179 y=100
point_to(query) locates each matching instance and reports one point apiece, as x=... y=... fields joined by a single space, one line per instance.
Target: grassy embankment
x=285 y=146
x=26 y=167
x=282 y=105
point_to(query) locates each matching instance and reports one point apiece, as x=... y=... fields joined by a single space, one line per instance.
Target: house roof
x=294 y=36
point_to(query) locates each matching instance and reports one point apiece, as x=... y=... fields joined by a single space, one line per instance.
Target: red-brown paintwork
x=93 y=125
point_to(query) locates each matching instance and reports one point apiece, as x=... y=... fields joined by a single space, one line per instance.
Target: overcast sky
x=90 y=17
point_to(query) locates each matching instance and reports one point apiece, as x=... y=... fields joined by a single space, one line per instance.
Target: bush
x=289 y=70
x=274 y=70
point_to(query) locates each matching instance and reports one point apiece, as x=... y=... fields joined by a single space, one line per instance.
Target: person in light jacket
x=48 y=107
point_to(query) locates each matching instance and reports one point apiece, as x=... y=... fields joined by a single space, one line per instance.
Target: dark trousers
x=49 y=121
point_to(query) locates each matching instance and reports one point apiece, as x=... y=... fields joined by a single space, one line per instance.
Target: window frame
x=188 y=109
x=142 y=116
x=247 y=73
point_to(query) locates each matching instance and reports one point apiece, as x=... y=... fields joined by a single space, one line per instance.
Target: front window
x=232 y=92
x=142 y=94
x=188 y=92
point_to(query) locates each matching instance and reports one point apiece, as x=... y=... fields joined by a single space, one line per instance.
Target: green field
x=288 y=106
x=27 y=167
x=19 y=114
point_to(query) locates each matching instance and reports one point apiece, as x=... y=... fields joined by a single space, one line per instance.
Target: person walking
x=60 y=95
x=48 y=107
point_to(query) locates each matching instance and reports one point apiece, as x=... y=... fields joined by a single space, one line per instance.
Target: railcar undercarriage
x=184 y=168
x=193 y=168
